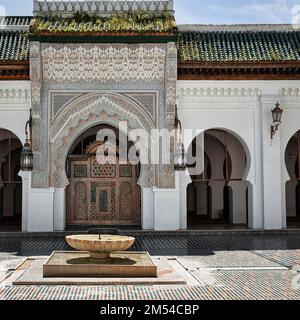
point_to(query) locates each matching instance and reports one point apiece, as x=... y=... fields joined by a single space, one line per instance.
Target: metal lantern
x=277 y=113
x=26 y=158
x=277 y=116
x=180 y=164
x=180 y=157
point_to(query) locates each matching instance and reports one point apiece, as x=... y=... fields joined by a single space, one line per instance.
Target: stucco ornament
x=103 y=63
x=83 y=114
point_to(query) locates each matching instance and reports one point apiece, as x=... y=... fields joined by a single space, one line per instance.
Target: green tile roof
x=15 y=21
x=238 y=46
x=14 y=46
x=138 y=23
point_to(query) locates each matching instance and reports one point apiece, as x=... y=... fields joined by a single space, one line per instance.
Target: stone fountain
x=100 y=247
x=100 y=260
x=99 y=256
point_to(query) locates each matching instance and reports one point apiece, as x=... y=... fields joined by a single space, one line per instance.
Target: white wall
x=15 y=104
x=38 y=207
x=244 y=109
x=241 y=107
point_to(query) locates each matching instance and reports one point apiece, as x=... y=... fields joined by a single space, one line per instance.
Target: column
x=201 y=198
x=59 y=209
x=184 y=181
x=147 y=209
x=26 y=181
x=239 y=210
x=217 y=198
x=291 y=198
x=272 y=185
x=1 y=190
x=37 y=207
x=8 y=200
x=1 y=200
x=167 y=208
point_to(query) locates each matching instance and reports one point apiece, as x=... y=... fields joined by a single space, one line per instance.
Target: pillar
x=239 y=210
x=59 y=209
x=26 y=181
x=8 y=200
x=201 y=198
x=217 y=198
x=167 y=208
x=291 y=198
x=1 y=200
x=37 y=207
x=272 y=183
x=1 y=190
x=147 y=209
x=184 y=181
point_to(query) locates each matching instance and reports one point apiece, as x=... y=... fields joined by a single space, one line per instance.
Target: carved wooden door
x=102 y=194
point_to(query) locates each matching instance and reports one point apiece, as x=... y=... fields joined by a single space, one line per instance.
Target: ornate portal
x=102 y=194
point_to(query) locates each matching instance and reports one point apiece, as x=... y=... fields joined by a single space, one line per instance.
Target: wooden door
x=102 y=194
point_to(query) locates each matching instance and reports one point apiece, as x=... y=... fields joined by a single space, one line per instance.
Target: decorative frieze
x=67 y=8
x=215 y=94
x=14 y=96
x=103 y=63
x=290 y=92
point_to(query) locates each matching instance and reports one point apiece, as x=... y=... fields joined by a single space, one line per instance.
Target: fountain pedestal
x=100 y=256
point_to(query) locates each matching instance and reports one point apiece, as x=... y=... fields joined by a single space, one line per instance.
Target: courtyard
x=224 y=265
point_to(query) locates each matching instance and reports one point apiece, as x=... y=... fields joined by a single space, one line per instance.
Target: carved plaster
x=75 y=120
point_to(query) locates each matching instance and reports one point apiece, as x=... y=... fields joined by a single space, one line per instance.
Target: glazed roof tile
x=196 y=44
x=239 y=46
x=14 y=46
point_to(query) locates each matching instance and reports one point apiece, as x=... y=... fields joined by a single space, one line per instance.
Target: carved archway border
x=81 y=115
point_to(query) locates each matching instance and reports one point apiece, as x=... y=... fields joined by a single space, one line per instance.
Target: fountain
x=99 y=256
x=100 y=246
x=100 y=260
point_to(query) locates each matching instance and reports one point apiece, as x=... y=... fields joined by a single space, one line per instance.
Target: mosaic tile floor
x=218 y=267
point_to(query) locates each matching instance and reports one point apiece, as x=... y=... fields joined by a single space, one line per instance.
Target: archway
x=292 y=160
x=218 y=196
x=10 y=182
x=102 y=194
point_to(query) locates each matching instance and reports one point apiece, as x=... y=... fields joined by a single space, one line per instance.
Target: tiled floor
x=221 y=267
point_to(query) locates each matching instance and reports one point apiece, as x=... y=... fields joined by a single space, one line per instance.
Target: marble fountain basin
x=100 y=246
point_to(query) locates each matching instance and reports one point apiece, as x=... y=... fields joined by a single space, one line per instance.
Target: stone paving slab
x=247 y=256
x=290 y=258
x=227 y=259
x=251 y=284
x=34 y=276
x=160 y=293
x=11 y=264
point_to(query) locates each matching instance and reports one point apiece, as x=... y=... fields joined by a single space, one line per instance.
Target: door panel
x=102 y=194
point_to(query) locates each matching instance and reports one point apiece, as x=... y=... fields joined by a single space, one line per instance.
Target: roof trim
x=108 y=38
x=237 y=27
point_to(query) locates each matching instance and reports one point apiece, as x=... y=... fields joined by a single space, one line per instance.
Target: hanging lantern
x=180 y=156
x=277 y=116
x=277 y=113
x=180 y=164
x=26 y=158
